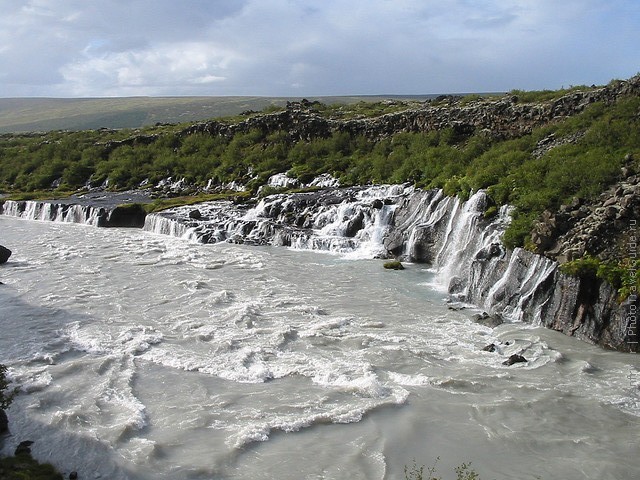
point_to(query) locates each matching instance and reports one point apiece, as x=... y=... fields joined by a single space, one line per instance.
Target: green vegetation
x=455 y=161
x=24 y=467
x=393 y=265
x=622 y=275
x=164 y=203
x=536 y=96
x=462 y=471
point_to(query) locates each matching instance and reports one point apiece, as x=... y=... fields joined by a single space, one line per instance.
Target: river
x=141 y=356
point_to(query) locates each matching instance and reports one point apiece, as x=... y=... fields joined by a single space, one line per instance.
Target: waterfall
x=392 y=221
x=54 y=212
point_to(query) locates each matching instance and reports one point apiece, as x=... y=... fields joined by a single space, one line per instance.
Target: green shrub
x=585 y=267
x=24 y=467
x=621 y=275
x=490 y=212
x=462 y=471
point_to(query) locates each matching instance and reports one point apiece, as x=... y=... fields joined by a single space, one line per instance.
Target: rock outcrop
x=603 y=228
x=5 y=253
x=504 y=118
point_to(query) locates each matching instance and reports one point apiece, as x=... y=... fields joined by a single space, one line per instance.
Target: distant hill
x=45 y=114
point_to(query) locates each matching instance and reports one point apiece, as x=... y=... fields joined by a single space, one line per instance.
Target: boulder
x=354 y=225
x=393 y=265
x=5 y=253
x=488 y=320
x=24 y=448
x=490 y=348
x=195 y=214
x=515 y=358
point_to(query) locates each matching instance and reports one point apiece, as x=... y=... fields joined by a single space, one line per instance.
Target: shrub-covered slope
x=533 y=150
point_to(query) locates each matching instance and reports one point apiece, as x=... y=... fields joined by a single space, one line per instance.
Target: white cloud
x=305 y=47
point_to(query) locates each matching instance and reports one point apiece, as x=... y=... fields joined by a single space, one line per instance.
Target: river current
x=141 y=356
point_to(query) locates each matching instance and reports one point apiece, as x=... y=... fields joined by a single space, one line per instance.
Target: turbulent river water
x=141 y=356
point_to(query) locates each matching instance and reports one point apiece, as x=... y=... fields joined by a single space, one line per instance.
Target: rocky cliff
x=504 y=118
x=603 y=228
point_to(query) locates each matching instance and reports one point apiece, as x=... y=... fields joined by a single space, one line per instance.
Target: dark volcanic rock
x=4 y=422
x=513 y=359
x=354 y=225
x=488 y=320
x=195 y=214
x=24 y=448
x=5 y=253
x=132 y=215
x=599 y=228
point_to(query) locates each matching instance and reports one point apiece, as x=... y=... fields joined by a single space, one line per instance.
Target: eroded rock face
x=602 y=228
x=5 y=253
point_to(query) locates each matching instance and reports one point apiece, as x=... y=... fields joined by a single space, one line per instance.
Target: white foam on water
x=172 y=363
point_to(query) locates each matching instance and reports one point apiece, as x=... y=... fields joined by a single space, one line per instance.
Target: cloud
x=305 y=47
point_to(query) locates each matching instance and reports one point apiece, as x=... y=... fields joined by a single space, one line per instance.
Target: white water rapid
x=142 y=356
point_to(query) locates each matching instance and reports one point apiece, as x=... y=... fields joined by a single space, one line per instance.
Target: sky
x=294 y=48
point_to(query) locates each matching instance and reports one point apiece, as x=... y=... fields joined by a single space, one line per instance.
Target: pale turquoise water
x=144 y=357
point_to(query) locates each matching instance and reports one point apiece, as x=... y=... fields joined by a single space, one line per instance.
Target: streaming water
x=142 y=356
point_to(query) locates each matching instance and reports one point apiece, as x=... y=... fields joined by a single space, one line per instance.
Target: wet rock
x=513 y=359
x=130 y=215
x=24 y=448
x=394 y=241
x=4 y=422
x=354 y=225
x=424 y=240
x=5 y=253
x=457 y=285
x=488 y=320
x=393 y=265
x=456 y=307
x=195 y=214
x=487 y=253
x=490 y=348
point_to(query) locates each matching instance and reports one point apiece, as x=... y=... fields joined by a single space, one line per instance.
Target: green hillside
x=533 y=150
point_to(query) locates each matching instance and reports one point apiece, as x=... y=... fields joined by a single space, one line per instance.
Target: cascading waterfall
x=54 y=212
x=380 y=222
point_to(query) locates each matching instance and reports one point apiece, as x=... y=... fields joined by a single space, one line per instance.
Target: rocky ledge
x=604 y=228
x=503 y=118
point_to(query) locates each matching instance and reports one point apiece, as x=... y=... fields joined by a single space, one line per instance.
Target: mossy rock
x=393 y=265
x=24 y=467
